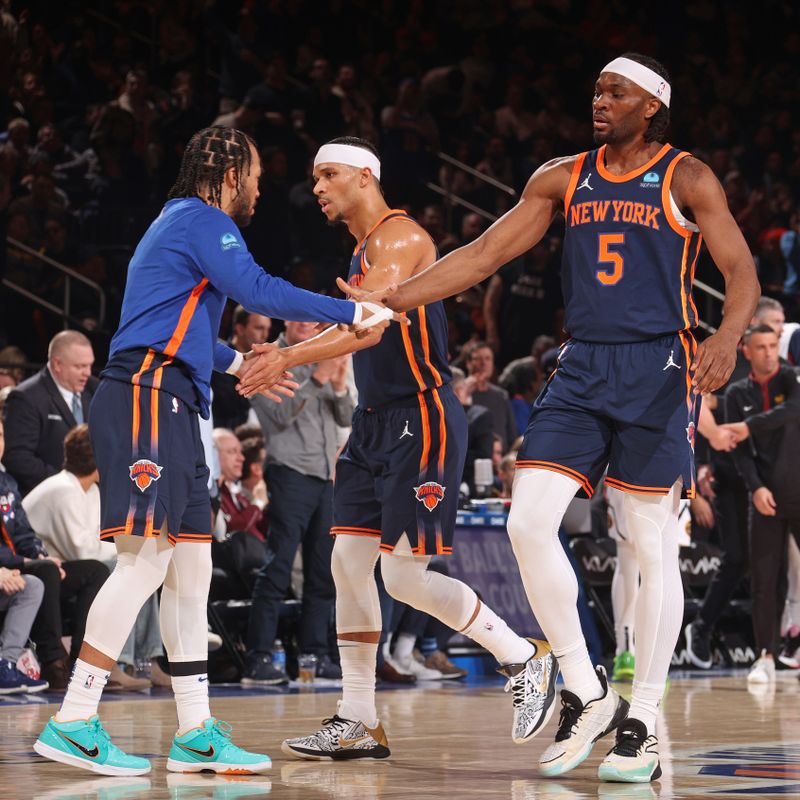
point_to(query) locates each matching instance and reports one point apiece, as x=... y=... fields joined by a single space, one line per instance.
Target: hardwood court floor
x=448 y=741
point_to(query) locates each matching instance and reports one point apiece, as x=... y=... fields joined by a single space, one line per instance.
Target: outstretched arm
x=697 y=188
x=514 y=233
x=394 y=251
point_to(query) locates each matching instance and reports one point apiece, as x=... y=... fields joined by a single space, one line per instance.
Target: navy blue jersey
x=408 y=359
x=190 y=260
x=628 y=263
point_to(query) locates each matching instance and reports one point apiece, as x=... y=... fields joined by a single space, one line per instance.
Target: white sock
x=358 y=681
x=492 y=632
x=645 y=701
x=404 y=646
x=83 y=693
x=191 y=699
x=579 y=675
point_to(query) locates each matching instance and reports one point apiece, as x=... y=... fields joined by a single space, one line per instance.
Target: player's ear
x=365 y=178
x=651 y=108
x=231 y=178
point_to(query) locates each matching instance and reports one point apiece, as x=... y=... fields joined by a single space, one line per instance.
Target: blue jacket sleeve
x=221 y=253
x=223 y=356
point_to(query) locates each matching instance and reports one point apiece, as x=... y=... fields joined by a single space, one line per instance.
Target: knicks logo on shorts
x=143 y=472
x=430 y=494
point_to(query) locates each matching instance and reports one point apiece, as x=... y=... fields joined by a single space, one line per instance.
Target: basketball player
x=397 y=480
x=145 y=436
x=627 y=386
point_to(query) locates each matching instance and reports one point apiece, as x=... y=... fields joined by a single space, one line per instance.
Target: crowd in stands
x=99 y=100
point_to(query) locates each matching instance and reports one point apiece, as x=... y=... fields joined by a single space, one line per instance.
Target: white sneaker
x=533 y=690
x=580 y=726
x=763 y=671
x=634 y=757
x=411 y=666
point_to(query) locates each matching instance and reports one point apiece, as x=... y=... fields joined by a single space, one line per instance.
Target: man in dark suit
x=42 y=409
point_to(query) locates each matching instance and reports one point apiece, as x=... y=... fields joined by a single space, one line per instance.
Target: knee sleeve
x=183 y=614
x=140 y=569
x=353 y=568
x=408 y=579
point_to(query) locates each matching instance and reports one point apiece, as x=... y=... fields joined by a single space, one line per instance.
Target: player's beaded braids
x=659 y=122
x=209 y=154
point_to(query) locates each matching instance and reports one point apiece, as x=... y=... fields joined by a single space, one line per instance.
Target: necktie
x=77 y=408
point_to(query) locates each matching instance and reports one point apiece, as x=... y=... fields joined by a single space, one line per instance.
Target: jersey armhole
x=573 y=181
x=668 y=203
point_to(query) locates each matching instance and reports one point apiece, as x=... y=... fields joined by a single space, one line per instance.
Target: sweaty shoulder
x=402 y=242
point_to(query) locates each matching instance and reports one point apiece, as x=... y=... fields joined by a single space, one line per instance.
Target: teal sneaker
x=209 y=747
x=623 y=666
x=84 y=743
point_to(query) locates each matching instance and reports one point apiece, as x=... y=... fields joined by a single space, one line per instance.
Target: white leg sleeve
x=353 y=568
x=140 y=569
x=652 y=523
x=184 y=620
x=791 y=612
x=624 y=588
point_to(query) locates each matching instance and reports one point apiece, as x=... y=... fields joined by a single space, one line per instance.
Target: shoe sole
x=219 y=767
x=613 y=775
x=47 y=751
x=342 y=755
x=561 y=767
x=545 y=718
x=254 y=682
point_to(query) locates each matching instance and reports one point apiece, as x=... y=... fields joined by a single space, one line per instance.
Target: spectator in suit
x=64 y=582
x=480 y=438
x=43 y=408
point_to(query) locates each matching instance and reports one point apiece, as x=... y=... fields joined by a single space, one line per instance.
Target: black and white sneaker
x=634 y=757
x=698 y=645
x=580 y=726
x=339 y=740
x=533 y=691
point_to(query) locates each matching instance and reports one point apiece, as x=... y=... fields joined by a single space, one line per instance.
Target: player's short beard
x=240 y=209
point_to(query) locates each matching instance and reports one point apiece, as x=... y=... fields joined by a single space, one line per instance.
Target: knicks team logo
x=430 y=494
x=143 y=472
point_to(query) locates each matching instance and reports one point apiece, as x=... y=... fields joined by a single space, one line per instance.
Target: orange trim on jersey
x=684 y=261
x=381 y=219
x=665 y=203
x=573 y=181
x=632 y=488
x=426 y=435
x=185 y=318
x=691 y=276
x=609 y=176
x=412 y=359
x=426 y=345
x=553 y=467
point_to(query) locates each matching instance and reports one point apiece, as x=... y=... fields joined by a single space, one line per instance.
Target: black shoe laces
x=571 y=708
x=629 y=741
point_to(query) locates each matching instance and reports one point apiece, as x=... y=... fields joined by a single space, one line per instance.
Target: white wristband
x=236 y=364
x=357 y=314
x=379 y=314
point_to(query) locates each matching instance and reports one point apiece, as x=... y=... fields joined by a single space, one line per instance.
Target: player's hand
x=739 y=431
x=714 y=362
x=264 y=372
x=722 y=438
x=702 y=512
x=380 y=296
x=764 y=502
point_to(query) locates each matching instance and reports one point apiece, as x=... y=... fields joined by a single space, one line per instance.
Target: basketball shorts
x=400 y=472
x=153 y=475
x=625 y=407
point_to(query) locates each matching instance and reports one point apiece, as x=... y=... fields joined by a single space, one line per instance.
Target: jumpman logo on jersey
x=585 y=184
x=671 y=362
x=406 y=431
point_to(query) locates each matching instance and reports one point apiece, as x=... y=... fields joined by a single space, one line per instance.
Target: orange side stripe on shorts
x=632 y=487
x=350 y=532
x=146 y=361
x=187 y=312
x=442 y=432
x=553 y=467
x=426 y=434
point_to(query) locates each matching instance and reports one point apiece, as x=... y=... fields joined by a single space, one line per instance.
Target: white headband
x=348 y=154
x=642 y=76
